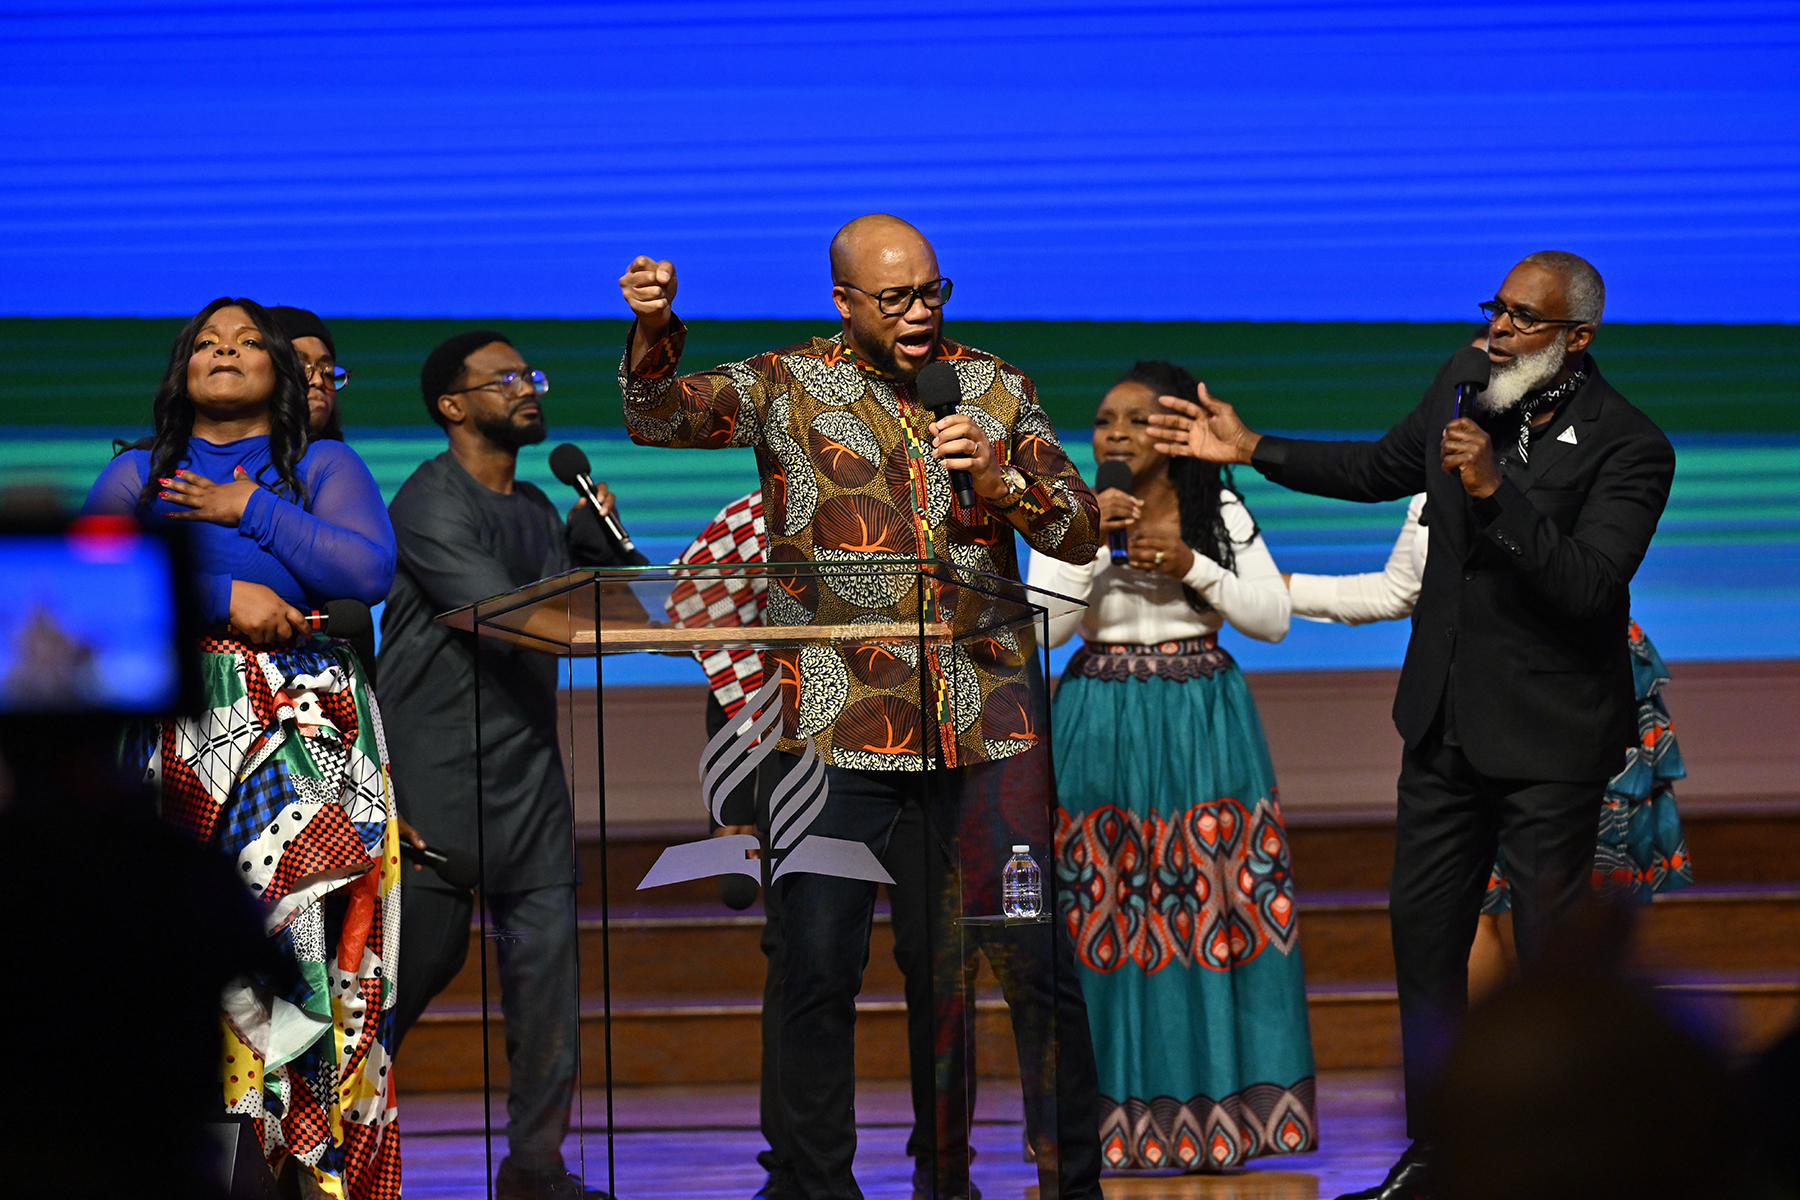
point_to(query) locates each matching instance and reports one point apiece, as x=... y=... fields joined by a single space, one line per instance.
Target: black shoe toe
x=1410 y=1179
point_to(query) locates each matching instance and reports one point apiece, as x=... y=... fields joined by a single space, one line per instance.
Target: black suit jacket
x=1520 y=626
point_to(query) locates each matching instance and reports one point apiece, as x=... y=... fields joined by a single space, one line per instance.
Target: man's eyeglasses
x=340 y=376
x=508 y=381
x=895 y=301
x=1522 y=320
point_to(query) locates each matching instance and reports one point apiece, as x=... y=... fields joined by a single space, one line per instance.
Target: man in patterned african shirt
x=855 y=471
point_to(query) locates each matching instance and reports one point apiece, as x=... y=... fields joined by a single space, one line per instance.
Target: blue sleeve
x=341 y=545
x=116 y=491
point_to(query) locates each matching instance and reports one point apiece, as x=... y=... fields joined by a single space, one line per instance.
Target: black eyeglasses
x=896 y=300
x=1523 y=321
x=340 y=376
x=509 y=380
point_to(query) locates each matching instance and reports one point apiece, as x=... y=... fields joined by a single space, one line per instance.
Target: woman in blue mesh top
x=284 y=768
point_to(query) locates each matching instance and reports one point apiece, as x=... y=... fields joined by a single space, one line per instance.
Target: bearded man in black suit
x=1516 y=700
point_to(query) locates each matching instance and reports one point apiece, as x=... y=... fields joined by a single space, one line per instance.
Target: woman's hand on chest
x=1156 y=546
x=218 y=503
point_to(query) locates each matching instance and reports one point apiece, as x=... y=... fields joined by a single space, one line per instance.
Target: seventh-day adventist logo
x=731 y=757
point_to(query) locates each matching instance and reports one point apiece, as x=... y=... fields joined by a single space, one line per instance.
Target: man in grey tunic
x=468 y=529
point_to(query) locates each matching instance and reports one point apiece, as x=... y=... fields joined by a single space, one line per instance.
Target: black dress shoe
x=1410 y=1179
x=782 y=1184
x=522 y=1183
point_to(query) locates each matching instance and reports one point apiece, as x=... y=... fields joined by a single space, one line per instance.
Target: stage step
x=1741 y=840
x=696 y=1040
x=689 y=954
x=1344 y=938
x=687 y=973
x=687 y=988
x=718 y=1039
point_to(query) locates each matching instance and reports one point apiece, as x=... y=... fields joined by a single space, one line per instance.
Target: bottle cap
x=1021 y=849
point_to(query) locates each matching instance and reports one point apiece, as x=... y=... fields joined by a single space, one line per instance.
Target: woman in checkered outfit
x=284 y=769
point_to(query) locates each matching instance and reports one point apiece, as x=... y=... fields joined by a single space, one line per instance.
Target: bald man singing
x=855 y=471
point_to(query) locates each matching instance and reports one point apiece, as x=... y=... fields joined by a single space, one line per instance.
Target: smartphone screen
x=88 y=620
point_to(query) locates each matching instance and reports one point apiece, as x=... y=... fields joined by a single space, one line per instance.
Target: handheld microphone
x=738 y=892
x=940 y=392
x=570 y=464
x=342 y=619
x=453 y=866
x=1115 y=474
x=1470 y=371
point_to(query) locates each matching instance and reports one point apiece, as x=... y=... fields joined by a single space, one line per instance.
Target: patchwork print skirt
x=285 y=771
x=1640 y=850
x=1175 y=882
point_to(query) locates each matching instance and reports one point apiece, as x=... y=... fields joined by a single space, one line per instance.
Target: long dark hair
x=172 y=412
x=1198 y=484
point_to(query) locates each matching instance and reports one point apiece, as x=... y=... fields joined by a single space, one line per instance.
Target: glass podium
x=921 y=705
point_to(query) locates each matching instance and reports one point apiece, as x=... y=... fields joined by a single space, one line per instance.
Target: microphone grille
x=348 y=619
x=738 y=892
x=568 y=461
x=1112 y=474
x=939 y=389
x=1471 y=366
x=458 y=868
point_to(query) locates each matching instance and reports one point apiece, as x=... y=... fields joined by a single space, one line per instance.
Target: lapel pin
x=1567 y=435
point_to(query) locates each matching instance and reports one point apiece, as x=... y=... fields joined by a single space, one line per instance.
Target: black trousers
x=825 y=945
x=534 y=933
x=911 y=914
x=1451 y=819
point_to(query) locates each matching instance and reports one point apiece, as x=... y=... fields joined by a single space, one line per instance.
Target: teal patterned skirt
x=1175 y=883
x=1641 y=850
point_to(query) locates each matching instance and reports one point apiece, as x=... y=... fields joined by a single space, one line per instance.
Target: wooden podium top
x=593 y=611
x=667 y=637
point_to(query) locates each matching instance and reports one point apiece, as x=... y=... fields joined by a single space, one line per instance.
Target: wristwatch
x=1016 y=487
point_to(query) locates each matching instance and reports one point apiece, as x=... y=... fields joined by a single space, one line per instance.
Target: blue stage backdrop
x=1149 y=159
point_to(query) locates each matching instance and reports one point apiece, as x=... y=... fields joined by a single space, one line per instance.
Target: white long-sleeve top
x=1383 y=595
x=1146 y=607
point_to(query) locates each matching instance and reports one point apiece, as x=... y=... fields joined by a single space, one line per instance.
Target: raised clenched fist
x=649 y=287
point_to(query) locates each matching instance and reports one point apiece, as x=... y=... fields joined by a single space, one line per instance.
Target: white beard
x=1520 y=377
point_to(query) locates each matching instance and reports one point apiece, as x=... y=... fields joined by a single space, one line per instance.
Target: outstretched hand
x=1208 y=430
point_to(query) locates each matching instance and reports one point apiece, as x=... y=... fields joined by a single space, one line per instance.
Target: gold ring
x=1158 y=559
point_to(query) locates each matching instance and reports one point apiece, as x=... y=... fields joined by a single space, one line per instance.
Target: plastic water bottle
x=1021 y=885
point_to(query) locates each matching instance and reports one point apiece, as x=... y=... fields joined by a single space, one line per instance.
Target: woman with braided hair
x=1172 y=860
x=284 y=769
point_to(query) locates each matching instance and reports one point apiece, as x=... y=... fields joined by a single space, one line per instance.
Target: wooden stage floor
x=700 y=1143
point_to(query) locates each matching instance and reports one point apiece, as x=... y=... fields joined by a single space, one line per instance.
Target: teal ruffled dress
x=1176 y=886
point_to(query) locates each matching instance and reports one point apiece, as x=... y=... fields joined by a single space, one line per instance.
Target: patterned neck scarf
x=1545 y=401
